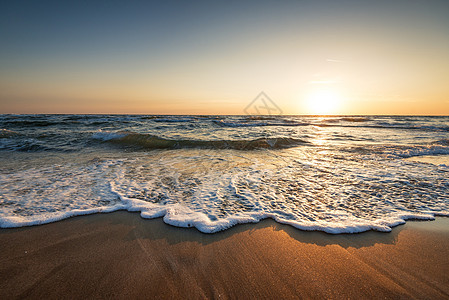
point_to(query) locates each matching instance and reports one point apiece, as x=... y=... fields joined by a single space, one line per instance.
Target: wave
x=39 y=123
x=174 y=119
x=444 y=142
x=148 y=141
x=168 y=120
x=346 y=122
x=386 y=126
x=346 y=119
x=28 y=145
x=223 y=123
x=261 y=118
x=421 y=151
x=355 y=119
x=5 y=133
x=403 y=151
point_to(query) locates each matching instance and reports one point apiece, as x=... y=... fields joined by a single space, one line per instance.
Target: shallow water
x=335 y=174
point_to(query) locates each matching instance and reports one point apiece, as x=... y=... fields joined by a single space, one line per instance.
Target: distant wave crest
x=5 y=133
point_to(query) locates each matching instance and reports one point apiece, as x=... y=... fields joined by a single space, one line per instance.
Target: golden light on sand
x=323 y=102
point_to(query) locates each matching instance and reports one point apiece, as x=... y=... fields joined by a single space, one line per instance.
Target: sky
x=215 y=57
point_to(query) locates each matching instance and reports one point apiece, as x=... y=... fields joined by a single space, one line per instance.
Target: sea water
x=335 y=174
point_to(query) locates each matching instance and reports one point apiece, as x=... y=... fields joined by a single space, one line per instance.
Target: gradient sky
x=214 y=57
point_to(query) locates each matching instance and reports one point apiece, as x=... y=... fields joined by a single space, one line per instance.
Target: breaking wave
x=148 y=141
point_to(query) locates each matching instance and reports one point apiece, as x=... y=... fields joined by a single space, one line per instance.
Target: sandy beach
x=120 y=255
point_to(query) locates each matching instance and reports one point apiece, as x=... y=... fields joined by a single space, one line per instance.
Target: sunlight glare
x=323 y=102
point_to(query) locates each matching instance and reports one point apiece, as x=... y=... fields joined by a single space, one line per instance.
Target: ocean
x=337 y=174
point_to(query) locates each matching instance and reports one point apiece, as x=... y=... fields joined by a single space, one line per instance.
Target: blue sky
x=212 y=57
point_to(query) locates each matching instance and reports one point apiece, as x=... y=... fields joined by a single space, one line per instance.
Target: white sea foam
x=45 y=218
x=105 y=135
x=341 y=174
x=403 y=151
x=214 y=190
x=421 y=151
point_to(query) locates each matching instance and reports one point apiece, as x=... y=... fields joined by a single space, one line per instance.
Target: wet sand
x=120 y=255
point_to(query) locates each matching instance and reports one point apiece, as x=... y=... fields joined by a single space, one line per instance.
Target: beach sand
x=120 y=255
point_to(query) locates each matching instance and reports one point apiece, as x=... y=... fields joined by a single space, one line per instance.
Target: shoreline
x=121 y=255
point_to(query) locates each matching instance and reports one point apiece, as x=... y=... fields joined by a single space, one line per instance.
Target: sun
x=323 y=102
